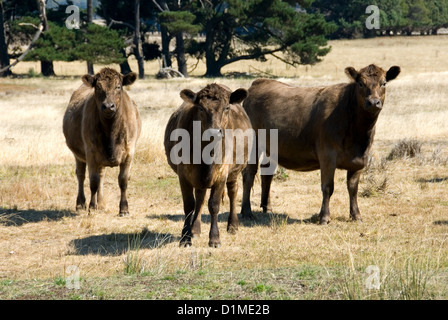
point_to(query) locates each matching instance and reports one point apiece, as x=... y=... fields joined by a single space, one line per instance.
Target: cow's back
x=300 y=114
x=73 y=119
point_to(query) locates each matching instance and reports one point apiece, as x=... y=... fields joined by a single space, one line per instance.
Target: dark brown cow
x=101 y=127
x=217 y=109
x=318 y=128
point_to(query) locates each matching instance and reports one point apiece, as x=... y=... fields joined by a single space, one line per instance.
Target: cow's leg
x=81 y=175
x=213 y=207
x=327 y=185
x=232 y=190
x=352 y=186
x=196 y=219
x=249 y=174
x=123 y=179
x=189 y=204
x=100 y=198
x=266 y=181
x=94 y=176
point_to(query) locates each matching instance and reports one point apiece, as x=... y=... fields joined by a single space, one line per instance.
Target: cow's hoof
x=185 y=244
x=80 y=207
x=214 y=244
x=324 y=222
x=356 y=218
x=232 y=229
x=266 y=209
x=124 y=214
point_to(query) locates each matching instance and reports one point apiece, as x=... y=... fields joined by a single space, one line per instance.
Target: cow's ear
x=188 y=96
x=89 y=80
x=129 y=79
x=352 y=73
x=392 y=73
x=238 y=96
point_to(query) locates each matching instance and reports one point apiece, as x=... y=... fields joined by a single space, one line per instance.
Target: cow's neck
x=362 y=123
x=112 y=133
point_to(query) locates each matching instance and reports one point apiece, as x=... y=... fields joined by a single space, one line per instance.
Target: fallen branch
x=22 y=56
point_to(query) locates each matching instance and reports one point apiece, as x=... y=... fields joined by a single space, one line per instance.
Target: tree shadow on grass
x=15 y=217
x=432 y=180
x=115 y=244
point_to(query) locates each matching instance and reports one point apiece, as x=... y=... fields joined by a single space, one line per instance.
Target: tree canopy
x=295 y=31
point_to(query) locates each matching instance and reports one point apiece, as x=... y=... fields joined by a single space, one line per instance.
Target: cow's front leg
x=199 y=203
x=352 y=186
x=81 y=175
x=123 y=179
x=189 y=206
x=95 y=180
x=213 y=207
x=327 y=185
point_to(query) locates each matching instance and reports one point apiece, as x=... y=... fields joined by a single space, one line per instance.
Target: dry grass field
x=282 y=255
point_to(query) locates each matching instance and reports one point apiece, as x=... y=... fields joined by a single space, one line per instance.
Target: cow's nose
x=218 y=133
x=375 y=103
x=110 y=106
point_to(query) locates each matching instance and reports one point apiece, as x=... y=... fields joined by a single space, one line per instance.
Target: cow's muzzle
x=374 y=103
x=108 y=109
x=216 y=133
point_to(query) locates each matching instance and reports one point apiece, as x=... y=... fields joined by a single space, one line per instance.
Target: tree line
x=397 y=17
x=294 y=31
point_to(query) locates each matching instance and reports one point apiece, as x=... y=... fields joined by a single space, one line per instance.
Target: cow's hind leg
x=189 y=205
x=213 y=206
x=352 y=186
x=232 y=190
x=81 y=175
x=327 y=186
x=267 y=171
x=249 y=174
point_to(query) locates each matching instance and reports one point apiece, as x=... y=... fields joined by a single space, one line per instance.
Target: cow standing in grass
x=218 y=111
x=101 y=127
x=324 y=128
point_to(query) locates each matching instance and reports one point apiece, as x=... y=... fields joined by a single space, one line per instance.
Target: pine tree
x=263 y=27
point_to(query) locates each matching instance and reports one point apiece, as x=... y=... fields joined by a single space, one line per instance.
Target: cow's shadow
x=258 y=218
x=115 y=244
x=15 y=217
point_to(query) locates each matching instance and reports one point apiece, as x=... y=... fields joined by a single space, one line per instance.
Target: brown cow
x=318 y=128
x=101 y=127
x=216 y=109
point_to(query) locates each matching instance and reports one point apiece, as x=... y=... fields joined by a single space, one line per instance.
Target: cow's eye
x=227 y=108
x=383 y=84
x=117 y=87
x=201 y=108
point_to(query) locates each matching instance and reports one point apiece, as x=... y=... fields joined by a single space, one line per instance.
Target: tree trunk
x=47 y=67
x=138 y=51
x=90 y=20
x=4 y=57
x=166 y=39
x=125 y=68
x=180 y=54
x=213 y=67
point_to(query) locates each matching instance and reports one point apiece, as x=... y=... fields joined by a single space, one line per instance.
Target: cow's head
x=108 y=85
x=212 y=105
x=371 y=88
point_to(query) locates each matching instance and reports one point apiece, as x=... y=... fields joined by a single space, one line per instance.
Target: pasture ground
x=282 y=255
